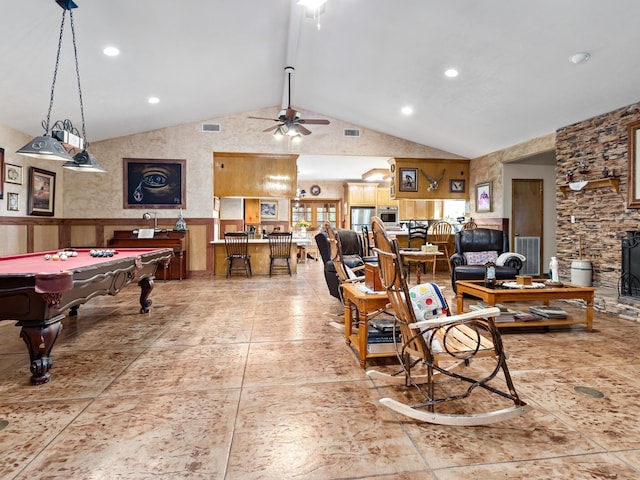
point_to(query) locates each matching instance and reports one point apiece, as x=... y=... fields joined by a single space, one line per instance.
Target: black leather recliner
x=482 y=240
x=351 y=252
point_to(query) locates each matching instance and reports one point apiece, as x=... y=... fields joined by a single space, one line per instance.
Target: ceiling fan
x=289 y=121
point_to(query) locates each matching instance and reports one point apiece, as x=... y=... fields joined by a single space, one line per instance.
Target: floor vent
x=530 y=248
x=351 y=132
x=210 y=127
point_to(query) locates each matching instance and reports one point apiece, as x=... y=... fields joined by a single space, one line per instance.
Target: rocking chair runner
x=443 y=344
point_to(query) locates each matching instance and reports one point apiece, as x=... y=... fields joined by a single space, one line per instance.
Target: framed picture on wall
x=13 y=204
x=42 y=192
x=408 y=180
x=484 y=197
x=456 y=186
x=153 y=183
x=12 y=174
x=268 y=209
x=633 y=179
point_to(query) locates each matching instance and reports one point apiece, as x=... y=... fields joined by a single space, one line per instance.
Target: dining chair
x=237 y=248
x=416 y=238
x=470 y=225
x=280 y=252
x=439 y=234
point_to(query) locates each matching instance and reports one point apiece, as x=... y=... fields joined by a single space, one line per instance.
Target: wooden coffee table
x=492 y=296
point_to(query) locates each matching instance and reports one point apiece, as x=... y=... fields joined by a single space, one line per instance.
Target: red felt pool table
x=36 y=292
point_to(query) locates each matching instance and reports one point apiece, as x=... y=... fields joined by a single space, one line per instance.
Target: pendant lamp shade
x=47 y=148
x=84 y=162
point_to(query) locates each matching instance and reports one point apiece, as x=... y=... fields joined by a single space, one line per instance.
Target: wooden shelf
x=600 y=183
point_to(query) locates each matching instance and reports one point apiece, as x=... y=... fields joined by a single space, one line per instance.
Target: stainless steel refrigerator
x=361 y=216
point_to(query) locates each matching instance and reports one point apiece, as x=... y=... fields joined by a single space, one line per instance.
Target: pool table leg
x=146 y=285
x=40 y=341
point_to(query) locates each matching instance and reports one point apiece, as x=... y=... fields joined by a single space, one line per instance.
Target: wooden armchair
x=346 y=274
x=436 y=346
x=355 y=273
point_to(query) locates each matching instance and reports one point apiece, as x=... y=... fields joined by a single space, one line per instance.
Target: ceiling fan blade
x=271 y=129
x=302 y=130
x=263 y=118
x=314 y=122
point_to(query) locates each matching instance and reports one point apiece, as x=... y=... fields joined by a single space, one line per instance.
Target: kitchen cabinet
x=252 y=211
x=254 y=175
x=361 y=194
x=383 y=198
x=419 y=209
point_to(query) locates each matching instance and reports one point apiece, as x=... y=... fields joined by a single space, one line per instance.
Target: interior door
x=527 y=218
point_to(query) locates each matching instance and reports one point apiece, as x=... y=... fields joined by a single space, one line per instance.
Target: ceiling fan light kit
x=289 y=120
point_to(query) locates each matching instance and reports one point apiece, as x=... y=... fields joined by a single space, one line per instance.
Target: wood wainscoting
x=31 y=234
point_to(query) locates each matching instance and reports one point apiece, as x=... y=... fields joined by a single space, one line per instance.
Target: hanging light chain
x=55 y=74
x=75 y=54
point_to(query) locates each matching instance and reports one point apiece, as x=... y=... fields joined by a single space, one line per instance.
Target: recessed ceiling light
x=311 y=3
x=451 y=72
x=111 y=51
x=580 y=57
x=153 y=100
x=407 y=110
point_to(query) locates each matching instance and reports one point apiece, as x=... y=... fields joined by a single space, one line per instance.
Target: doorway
x=538 y=166
x=527 y=214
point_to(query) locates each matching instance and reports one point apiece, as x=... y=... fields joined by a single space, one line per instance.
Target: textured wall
x=12 y=140
x=488 y=168
x=88 y=196
x=601 y=214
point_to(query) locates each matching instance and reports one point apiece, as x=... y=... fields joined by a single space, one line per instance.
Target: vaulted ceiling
x=210 y=58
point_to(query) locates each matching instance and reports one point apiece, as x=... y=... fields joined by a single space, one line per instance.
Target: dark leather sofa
x=482 y=240
x=351 y=252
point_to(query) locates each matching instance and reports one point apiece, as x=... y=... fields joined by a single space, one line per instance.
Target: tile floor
x=246 y=379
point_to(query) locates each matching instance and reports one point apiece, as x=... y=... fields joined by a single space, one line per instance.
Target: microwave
x=388 y=215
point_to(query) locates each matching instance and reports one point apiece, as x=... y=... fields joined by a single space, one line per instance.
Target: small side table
x=419 y=257
x=365 y=303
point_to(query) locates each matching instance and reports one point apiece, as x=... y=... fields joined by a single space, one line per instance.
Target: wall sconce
x=149 y=216
x=51 y=145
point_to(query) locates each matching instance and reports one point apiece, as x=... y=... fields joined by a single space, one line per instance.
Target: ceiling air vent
x=351 y=132
x=210 y=127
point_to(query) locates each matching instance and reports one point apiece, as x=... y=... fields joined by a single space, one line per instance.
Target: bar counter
x=259 y=253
